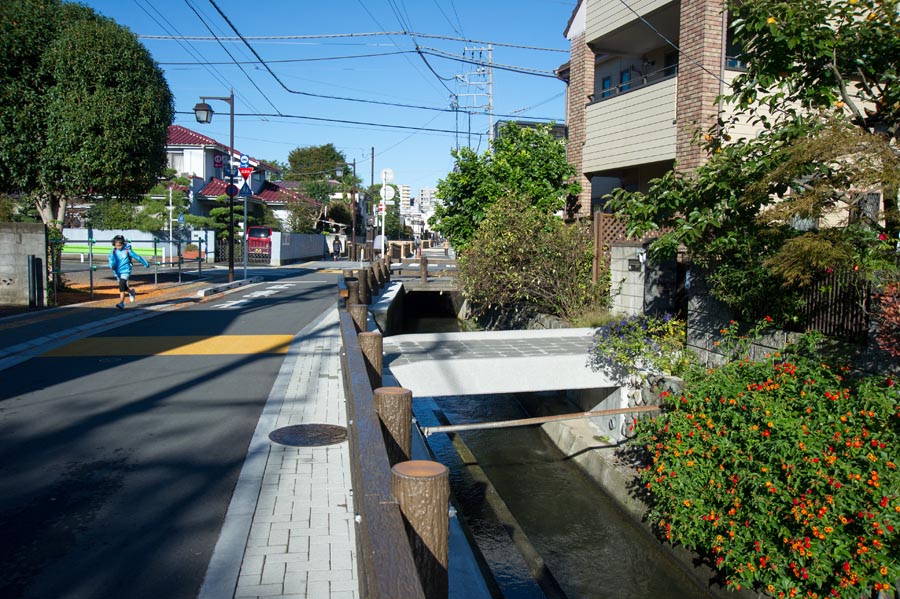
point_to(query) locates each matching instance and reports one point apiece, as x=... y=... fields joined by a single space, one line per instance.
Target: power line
x=310 y=94
x=504 y=67
x=446 y=18
x=288 y=60
x=368 y=12
x=344 y=121
x=233 y=59
x=367 y=34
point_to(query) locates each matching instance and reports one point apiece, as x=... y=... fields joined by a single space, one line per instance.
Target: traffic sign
x=217 y=161
x=387 y=192
x=381 y=208
x=245 y=190
x=231 y=190
x=230 y=171
x=246 y=171
x=387 y=175
x=245 y=160
x=180 y=218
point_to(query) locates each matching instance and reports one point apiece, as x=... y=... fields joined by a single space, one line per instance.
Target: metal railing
x=159 y=258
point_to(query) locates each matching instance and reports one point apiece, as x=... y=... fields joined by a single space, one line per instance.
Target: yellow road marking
x=194 y=345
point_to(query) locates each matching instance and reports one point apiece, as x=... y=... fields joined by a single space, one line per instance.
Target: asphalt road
x=119 y=453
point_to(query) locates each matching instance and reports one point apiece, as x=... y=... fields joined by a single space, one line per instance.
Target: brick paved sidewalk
x=289 y=531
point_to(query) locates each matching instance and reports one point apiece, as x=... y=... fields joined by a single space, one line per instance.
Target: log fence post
x=365 y=293
x=422 y=489
x=423 y=269
x=373 y=284
x=352 y=291
x=394 y=408
x=360 y=314
x=371 y=345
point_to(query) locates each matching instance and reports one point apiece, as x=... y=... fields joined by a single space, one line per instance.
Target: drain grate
x=309 y=435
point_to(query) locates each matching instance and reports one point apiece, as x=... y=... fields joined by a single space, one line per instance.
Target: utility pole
x=477 y=96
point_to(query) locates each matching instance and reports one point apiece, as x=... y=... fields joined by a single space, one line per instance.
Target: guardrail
x=401 y=505
x=152 y=252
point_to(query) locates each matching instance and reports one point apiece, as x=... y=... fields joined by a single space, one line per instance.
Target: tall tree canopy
x=85 y=108
x=522 y=162
x=320 y=163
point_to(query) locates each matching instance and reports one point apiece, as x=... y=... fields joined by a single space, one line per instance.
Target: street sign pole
x=245 y=163
x=383 y=212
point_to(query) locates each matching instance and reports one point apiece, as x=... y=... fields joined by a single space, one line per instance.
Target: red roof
x=182 y=136
x=270 y=192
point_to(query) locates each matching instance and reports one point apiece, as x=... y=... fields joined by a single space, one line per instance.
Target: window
x=624 y=78
x=175 y=160
x=605 y=86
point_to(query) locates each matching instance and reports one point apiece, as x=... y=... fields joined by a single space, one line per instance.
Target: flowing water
x=589 y=548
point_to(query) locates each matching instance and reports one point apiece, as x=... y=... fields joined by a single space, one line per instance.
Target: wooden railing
x=384 y=556
x=401 y=505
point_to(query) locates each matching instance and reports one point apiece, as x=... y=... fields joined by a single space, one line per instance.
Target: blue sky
x=418 y=159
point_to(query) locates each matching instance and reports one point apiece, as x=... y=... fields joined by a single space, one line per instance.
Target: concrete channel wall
x=597 y=445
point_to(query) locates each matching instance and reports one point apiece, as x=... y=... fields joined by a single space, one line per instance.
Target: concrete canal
x=544 y=527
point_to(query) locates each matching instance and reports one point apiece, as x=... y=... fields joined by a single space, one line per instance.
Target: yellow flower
x=687 y=503
x=771 y=20
x=853 y=1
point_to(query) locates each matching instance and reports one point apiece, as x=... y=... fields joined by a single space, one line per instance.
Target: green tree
x=524 y=260
x=86 y=108
x=319 y=163
x=522 y=161
x=821 y=81
x=302 y=216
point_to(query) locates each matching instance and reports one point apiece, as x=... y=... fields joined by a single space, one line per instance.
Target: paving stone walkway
x=289 y=532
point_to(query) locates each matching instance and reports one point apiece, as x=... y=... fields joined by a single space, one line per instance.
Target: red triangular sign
x=246 y=172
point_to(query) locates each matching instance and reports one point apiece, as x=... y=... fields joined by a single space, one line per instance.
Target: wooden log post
x=365 y=293
x=387 y=268
x=347 y=272
x=385 y=272
x=379 y=277
x=360 y=314
x=394 y=407
x=371 y=345
x=352 y=291
x=422 y=489
x=373 y=283
x=423 y=269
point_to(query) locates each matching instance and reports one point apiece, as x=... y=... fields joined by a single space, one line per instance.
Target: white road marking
x=230 y=304
x=262 y=293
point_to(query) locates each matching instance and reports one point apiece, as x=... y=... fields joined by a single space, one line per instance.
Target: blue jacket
x=120 y=261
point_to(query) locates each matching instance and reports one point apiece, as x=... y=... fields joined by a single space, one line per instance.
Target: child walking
x=120 y=263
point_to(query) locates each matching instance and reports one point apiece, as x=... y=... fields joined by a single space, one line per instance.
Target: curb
x=226 y=286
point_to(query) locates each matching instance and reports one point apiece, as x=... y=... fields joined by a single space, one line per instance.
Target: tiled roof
x=182 y=136
x=270 y=192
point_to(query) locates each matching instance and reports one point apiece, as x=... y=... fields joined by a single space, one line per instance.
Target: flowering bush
x=783 y=472
x=640 y=343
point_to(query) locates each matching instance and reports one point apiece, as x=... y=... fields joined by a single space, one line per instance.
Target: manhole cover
x=309 y=435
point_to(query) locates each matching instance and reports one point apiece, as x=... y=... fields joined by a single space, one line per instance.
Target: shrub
x=524 y=259
x=782 y=472
x=635 y=344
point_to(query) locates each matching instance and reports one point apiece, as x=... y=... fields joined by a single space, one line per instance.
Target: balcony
x=612 y=28
x=632 y=127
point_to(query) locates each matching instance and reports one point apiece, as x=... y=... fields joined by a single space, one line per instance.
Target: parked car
x=259 y=240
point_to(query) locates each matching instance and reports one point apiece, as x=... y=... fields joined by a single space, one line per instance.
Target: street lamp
x=339 y=172
x=204 y=112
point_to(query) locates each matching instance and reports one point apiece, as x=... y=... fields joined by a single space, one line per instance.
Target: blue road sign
x=231 y=190
x=245 y=190
x=245 y=160
x=180 y=219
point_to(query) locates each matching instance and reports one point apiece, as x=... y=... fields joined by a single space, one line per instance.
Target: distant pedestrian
x=337 y=248
x=120 y=263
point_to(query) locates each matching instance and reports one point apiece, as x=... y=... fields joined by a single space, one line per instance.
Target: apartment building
x=405 y=196
x=634 y=101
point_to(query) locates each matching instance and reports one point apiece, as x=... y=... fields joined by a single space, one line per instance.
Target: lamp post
x=204 y=112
